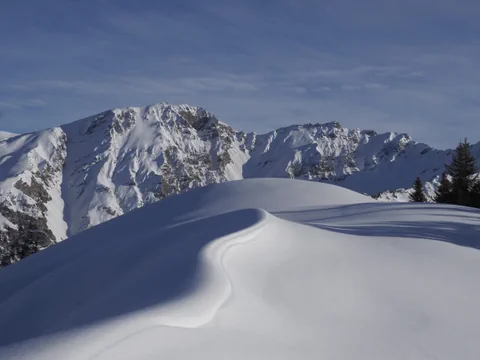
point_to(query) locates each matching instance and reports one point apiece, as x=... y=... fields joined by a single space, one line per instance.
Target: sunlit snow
x=253 y=269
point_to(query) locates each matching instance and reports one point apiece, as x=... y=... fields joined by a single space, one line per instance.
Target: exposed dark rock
x=98 y=120
x=36 y=191
x=223 y=160
x=369 y=132
x=109 y=210
x=31 y=235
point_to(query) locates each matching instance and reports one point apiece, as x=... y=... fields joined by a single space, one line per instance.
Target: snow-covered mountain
x=61 y=181
x=253 y=269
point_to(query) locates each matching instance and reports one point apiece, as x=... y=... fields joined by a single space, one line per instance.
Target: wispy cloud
x=322 y=89
x=224 y=82
x=375 y=86
x=351 y=87
x=22 y=103
x=120 y=84
x=367 y=86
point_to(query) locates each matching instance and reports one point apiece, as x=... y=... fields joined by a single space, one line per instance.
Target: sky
x=408 y=66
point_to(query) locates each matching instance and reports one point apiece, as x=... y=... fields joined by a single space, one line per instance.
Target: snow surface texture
x=253 y=269
x=64 y=180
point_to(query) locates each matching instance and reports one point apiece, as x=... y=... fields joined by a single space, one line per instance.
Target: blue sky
x=392 y=65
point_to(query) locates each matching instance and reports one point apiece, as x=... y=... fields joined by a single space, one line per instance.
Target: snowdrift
x=257 y=269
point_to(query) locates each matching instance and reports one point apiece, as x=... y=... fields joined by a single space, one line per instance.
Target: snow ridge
x=211 y=275
x=215 y=286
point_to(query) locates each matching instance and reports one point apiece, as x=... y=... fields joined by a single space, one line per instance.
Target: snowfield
x=253 y=269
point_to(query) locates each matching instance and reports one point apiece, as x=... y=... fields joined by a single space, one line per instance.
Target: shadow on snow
x=110 y=270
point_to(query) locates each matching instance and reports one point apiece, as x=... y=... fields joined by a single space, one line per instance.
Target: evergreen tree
x=417 y=195
x=476 y=195
x=462 y=170
x=444 y=192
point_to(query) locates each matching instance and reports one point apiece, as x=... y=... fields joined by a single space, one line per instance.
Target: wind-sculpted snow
x=209 y=275
x=213 y=286
x=175 y=273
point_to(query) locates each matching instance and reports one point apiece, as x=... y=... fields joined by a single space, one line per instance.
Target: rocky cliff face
x=61 y=181
x=31 y=204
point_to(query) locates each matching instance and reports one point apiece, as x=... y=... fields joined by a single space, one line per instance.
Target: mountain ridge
x=60 y=181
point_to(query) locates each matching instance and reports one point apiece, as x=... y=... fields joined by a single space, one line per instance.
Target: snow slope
x=257 y=269
x=4 y=135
